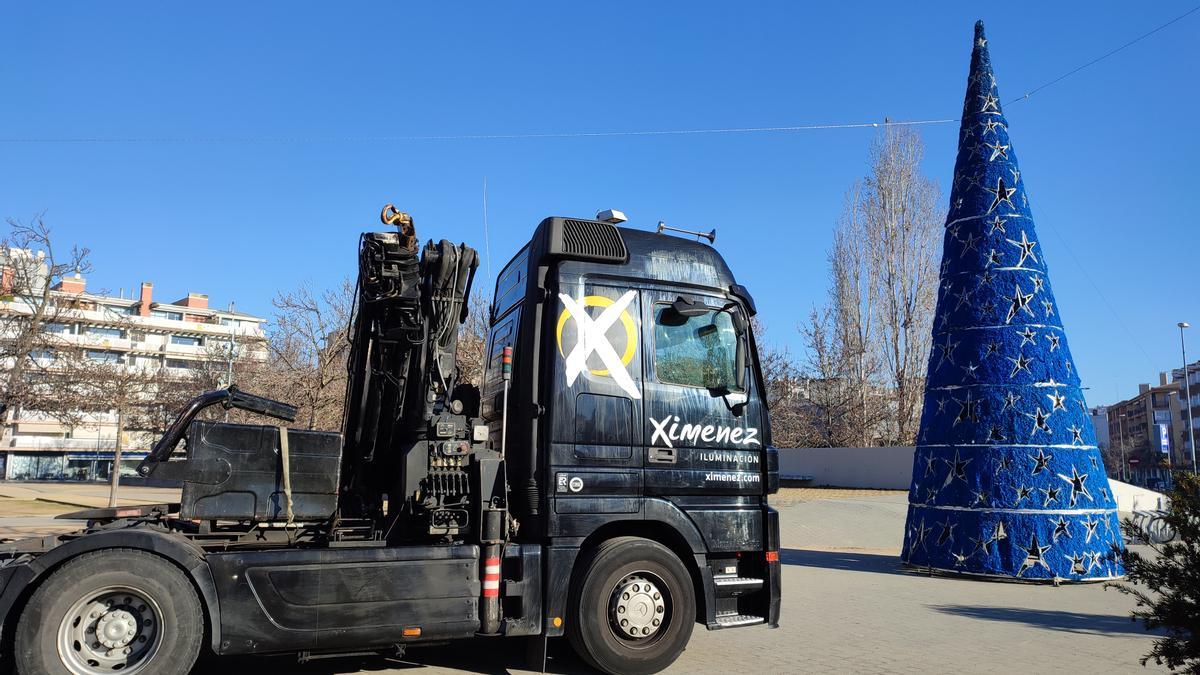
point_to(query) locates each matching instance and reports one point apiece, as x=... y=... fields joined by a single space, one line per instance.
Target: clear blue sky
x=1109 y=154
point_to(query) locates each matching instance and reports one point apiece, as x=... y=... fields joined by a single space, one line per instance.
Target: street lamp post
x=1187 y=392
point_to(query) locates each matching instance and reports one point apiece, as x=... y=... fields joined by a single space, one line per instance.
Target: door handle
x=662 y=455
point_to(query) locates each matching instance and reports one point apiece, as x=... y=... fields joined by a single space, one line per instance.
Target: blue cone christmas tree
x=1007 y=478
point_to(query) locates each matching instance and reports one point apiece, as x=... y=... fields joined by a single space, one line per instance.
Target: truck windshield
x=698 y=351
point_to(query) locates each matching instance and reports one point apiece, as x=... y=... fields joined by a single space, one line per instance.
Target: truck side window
x=699 y=351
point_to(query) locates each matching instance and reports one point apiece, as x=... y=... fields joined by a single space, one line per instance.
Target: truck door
x=596 y=406
x=703 y=427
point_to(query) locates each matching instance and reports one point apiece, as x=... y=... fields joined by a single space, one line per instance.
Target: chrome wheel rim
x=639 y=608
x=116 y=629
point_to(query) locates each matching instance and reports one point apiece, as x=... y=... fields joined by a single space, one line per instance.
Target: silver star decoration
x=1023 y=493
x=981 y=42
x=941 y=405
x=1051 y=495
x=920 y=533
x=964 y=297
x=1049 y=307
x=1003 y=465
x=992 y=348
x=1026 y=248
x=1057 y=401
x=973 y=149
x=1041 y=462
x=988 y=308
x=990 y=103
x=1090 y=526
x=993 y=258
x=969 y=244
x=996 y=224
x=947 y=351
x=1016 y=174
x=1001 y=194
x=995 y=435
x=1039 y=418
x=1061 y=529
x=1077 y=438
x=997 y=150
x=1010 y=401
x=1078 y=486
x=1021 y=362
x=1028 y=337
x=1094 y=558
x=960 y=560
x=969 y=370
x=980 y=498
x=1034 y=556
x=947 y=533
x=989 y=126
x=1054 y=340
x=1077 y=566
x=1019 y=302
x=958 y=468
x=968 y=410
x=930 y=464
x=1038 y=282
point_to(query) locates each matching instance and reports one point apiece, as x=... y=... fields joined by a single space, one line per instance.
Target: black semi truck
x=607 y=480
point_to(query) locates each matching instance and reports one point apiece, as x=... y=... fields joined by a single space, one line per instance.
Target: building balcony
x=49 y=444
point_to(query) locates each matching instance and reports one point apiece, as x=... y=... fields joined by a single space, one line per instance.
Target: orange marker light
x=557 y=622
x=412 y=631
x=772 y=556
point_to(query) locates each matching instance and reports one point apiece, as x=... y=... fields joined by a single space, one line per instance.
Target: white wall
x=887 y=468
x=1133 y=498
x=891 y=469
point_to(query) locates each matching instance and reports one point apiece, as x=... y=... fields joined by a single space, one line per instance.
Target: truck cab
x=637 y=409
x=607 y=480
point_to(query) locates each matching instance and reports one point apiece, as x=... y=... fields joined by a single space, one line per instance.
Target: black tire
x=592 y=619
x=164 y=610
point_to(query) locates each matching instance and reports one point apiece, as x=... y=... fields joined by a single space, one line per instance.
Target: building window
x=118 y=309
x=182 y=363
x=58 y=328
x=174 y=316
x=103 y=356
x=187 y=340
x=698 y=351
x=101 y=331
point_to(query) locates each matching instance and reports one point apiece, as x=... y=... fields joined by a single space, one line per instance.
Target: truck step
x=735 y=620
x=729 y=587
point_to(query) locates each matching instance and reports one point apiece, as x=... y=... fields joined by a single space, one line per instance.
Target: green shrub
x=1166 y=584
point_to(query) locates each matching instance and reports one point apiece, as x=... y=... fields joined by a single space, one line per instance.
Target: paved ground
x=847 y=607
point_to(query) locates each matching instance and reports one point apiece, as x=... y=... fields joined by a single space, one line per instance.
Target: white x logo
x=593 y=338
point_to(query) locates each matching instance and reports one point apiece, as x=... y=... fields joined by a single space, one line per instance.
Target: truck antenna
x=711 y=235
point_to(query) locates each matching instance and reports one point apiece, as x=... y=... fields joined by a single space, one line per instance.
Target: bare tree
x=903 y=221
x=871 y=343
x=85 y=386
x=30 y=267
x=308 y=345
x=784 y=390
x=472 y=340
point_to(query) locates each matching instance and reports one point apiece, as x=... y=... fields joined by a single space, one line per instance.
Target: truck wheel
x=110 y=611
x=632 y=607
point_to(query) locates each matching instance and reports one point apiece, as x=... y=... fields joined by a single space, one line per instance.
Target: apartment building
x=1133 y=427
x=134 y=332
x=1188 y=441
